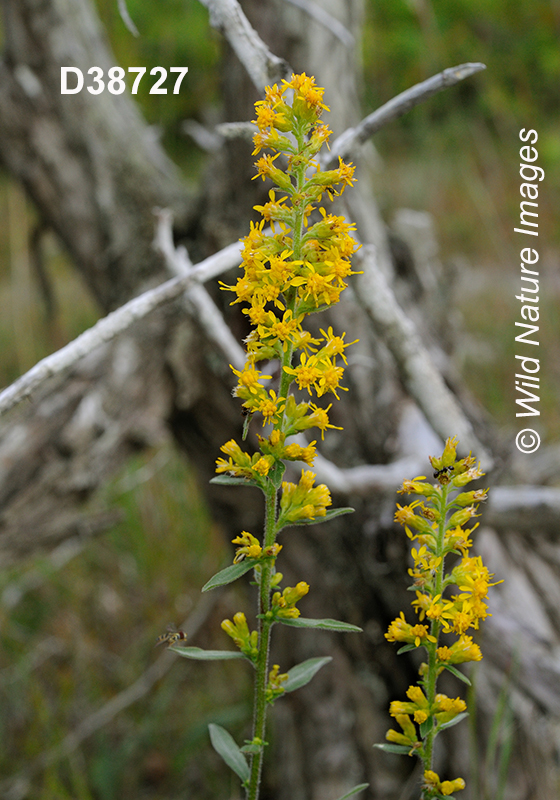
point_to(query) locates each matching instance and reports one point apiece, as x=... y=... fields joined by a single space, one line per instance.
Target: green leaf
x=331 y=514
x=400 y=749
x=206 y=655
x=406 y=648
x=246 y=424
x=322 y=624
x=354 y=791
x=232 y=480
x=301 y=674
x=251 y=749
x=458 y=674
x=230 y=574
x=224 y=744
x=277 y=473
x=426 y=727
x=453 y=721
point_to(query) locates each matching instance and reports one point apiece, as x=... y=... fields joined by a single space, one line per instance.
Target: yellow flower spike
x=298 y=270
x=438 y=525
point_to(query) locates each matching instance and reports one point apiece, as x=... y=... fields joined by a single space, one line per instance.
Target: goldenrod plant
x=297 y=269
x=437 y=521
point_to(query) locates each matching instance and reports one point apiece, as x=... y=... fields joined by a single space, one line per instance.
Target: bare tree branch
x=417 y=370
x=525 y=508
x=262 y=66
x=115 y=323
x=395 y=108
x=327 y=20
x=197 y=298
x=126 y=18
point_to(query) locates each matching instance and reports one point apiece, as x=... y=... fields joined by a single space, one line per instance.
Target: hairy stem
x=435 y=631
x=265 y=625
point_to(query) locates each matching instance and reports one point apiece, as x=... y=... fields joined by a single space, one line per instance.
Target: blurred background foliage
x=79 y=628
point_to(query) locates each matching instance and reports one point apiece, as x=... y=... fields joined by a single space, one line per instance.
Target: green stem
x=265 y=625
x=435 y=630
x=297 y=230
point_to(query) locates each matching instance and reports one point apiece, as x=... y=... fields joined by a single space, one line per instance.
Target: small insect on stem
x=171 y=637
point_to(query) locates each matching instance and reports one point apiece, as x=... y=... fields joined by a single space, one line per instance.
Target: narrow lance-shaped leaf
x=453 y=721
x=301 y=674
x=458 y=674
x=198 y=654
x=400 y=749
x=331 y=514
x=230 y=574
x=224 y=744
x=321 y=624
x=232 y=480
x=355 y=790
x=405 y=648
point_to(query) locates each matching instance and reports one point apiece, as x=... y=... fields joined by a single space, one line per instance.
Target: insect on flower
x=171 y=637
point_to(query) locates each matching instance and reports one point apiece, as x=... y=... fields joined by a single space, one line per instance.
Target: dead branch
x=331 y=23
x=114 y=323
x=395 y=108
x=416 y=368
x=126 y=18
x=197 y=299
x=525 y=508
x=262 y=66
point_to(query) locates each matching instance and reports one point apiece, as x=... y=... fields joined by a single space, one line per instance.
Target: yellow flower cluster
x=246 y=640
x=433 y=784
x=275 y=688
x=300 y=268
x=284 y=605
x=435 y=521
x=251 y=548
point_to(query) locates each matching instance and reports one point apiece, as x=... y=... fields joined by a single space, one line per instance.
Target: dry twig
x=262 y=66
x=197 y=298
x=114 y=323
x=395 y=108
x=331 y=23
x=416 y=368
